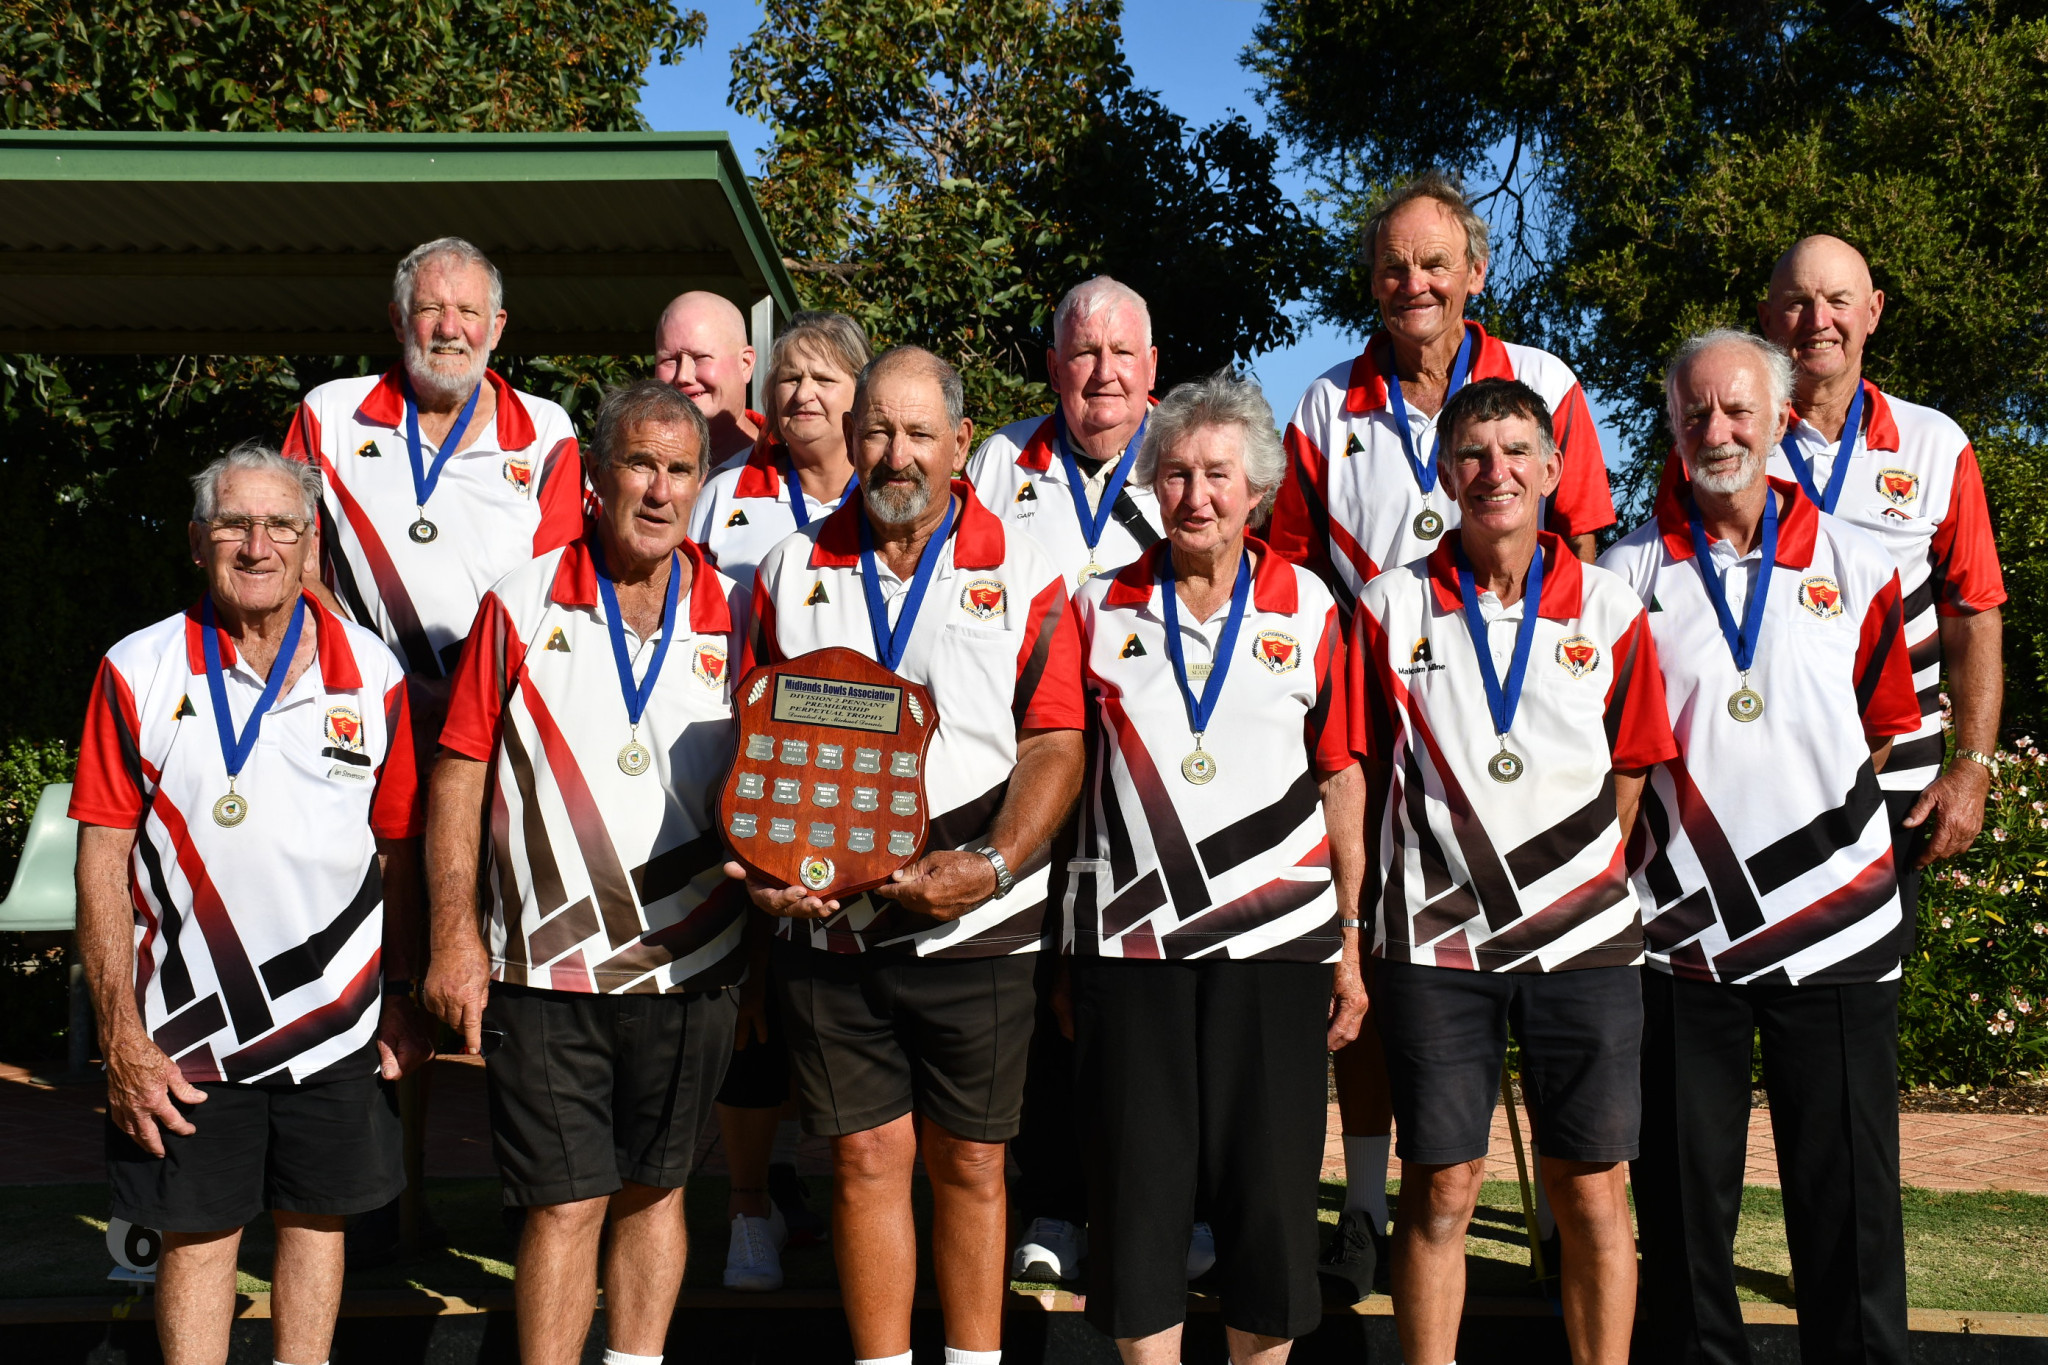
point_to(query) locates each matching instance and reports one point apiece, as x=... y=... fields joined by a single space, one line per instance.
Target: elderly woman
x=800 y=471
x=1212 y=910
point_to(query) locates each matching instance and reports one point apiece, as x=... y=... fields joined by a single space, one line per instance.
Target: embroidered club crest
x=1577 y=655
x=1278 y=651
x=345 y=728
x=1821 y=596
x=708 y=663
x=1899 y=486
x=983 y=598
x=519 y=473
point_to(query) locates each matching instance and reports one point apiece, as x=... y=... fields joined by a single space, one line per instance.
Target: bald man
x=701 y=351
x=1907 y=474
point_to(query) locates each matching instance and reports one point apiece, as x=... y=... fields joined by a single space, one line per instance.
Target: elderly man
x=1065 y=480
x=440 y=477
x=1907 y=474
x=595 y=711
x=1508 y=713
x=1767 y=877
x=701 y=351
x=248 y=912
x=1363 y=494
x=919 y=997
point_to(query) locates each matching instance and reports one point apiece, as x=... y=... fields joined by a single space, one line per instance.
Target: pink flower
x=1975 y=998
x=1998 y=834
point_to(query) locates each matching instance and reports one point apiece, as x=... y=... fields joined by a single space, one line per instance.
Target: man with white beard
x=438 y=477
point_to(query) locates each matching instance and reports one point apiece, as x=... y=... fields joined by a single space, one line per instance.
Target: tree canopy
x=1646 y=161
x=945 y=172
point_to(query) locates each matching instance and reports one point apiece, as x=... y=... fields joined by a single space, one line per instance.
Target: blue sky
x=1187 y=50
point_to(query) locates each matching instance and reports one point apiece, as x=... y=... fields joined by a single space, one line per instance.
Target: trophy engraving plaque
x=807 y=726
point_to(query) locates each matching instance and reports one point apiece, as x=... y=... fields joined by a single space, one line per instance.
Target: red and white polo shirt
x=1913 y=481
x=1239 y=867
x=746 y=511
x=516 y=492
x=258 y=948
x=1019 y=476
x=1348 y=506
x=994 y=642
x=1762 y=853
x=1522 y=876
x=602 y=882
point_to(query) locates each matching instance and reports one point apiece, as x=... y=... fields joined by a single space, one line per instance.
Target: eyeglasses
x=281 y=530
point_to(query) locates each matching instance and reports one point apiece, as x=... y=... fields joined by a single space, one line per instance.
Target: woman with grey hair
x=1213 y=924
x=800 y=469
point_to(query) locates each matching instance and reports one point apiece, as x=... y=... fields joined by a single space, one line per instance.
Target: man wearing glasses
x=248 y=866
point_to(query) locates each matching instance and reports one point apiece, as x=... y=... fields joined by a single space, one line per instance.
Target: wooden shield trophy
x=827 y=789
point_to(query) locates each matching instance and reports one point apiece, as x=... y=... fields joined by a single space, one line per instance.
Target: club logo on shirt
x=1027 y=493
x=1422 y=653
x=519 y=473
x=345 y=728
x=982 y=598
x=1895 y=513
x=1278 y=651
x=185 y=708
x=1354 y=446
x=738 y=518
x=1899 y=486
x=1133 y=648
x=818 y=597
x=368 y=451
x=1821 y=596
x=558 y=641
x=1577 y=655
x=709 y=665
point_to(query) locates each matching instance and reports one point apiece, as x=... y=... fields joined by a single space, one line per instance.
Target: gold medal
x=230 y=811
x=1198 y=767
x=1504 y=767
x=634 y=759
x=423 y=531
x=1089 y=570
x=1746 y=705
x=1429 y=524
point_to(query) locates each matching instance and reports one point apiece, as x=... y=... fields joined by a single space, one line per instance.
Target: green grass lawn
x=1966 y=1252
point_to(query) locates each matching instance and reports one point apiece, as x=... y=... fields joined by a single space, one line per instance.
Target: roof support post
x=761 y=326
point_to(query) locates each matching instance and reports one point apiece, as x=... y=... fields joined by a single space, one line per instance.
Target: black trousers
x=1202 y=1081
x=1830 y=1062
x=1053 y=1181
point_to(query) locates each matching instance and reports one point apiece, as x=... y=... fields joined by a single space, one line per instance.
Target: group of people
x=1253 y=749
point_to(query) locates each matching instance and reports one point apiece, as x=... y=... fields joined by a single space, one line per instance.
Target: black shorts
x=759 y=1075
x=590 y=1091
x=326 y=1147
x=874 y=1035
x=1445 y=1032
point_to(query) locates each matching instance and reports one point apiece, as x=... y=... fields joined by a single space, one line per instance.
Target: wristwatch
x=1984 y=761
x=1004 y=881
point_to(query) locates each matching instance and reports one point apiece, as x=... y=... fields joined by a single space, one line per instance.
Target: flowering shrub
x=1972 y=1011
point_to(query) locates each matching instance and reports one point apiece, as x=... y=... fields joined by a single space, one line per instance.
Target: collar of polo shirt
x=1273 y=586
x=338 y=671
x=1798 y=524
x=977 y=534
x=385 y=407
x=1366 y=390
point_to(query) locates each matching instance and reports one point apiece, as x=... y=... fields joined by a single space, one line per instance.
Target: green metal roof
x=254 y=243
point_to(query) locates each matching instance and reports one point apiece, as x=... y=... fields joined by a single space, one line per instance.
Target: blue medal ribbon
x=235 y=749
x=636 y=694
x=1461 y=369
x=1199 y=711
x=424 y=476
x=1093 y=523
x=1502 y=700
x=890 y=644
x=797 y=506
x=1741 y=643
x=1803 y=471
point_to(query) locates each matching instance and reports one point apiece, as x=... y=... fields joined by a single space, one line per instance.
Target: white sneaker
x=753 y=1258
x=1051 y=1250
x=1201 y=1251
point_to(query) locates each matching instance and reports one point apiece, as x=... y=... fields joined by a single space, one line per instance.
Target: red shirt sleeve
x=492 y=660
x=1329 y=721
x=399 y=809
x=1638 y=723
x=108 y=789
x=1884 y=668
x=560 y=498
x=1373 y=690
x=1583 y=502
x=1299 y=528
x=1964 y=554
x=302 y=437
x=1049 y=691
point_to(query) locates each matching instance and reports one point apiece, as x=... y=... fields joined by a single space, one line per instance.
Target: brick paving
x=50 y=1133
